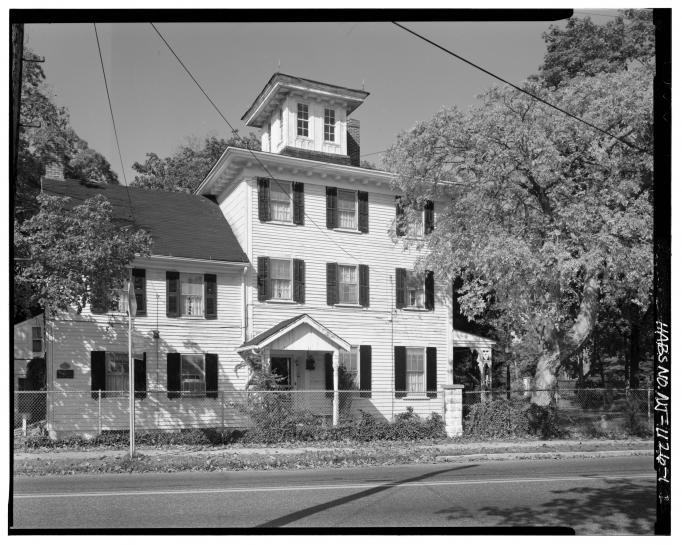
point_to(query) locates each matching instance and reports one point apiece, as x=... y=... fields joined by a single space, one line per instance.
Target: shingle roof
x=274 y=329
x=180 y=224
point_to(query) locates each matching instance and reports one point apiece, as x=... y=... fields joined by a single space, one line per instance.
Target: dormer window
x=329 y=125
x=302 y=120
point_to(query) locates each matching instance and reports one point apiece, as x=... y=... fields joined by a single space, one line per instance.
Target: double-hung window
x=36 y=339
x=329 y=125
x=192 y=294
x=348 y=284
x=116 y=379
x=414 y=290
x=302 y=120
x=350 y=362
x=280 y=279
x=347 y=209
x=192 y=375
x=415 y=370
x=280 y=201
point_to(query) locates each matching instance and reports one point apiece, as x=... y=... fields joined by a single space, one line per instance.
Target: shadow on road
x=623 y=508
x=298 y=515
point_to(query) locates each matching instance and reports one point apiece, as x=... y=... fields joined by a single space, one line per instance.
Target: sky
x=157 y=107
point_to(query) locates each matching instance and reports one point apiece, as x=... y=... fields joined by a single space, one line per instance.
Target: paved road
x=594 y=496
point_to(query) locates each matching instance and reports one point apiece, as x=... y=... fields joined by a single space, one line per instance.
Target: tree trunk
x=562 y=347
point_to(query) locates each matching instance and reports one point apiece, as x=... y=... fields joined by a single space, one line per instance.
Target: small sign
x=64 y=373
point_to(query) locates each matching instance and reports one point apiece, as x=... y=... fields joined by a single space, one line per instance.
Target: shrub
x=497 y=419
x=543 y=421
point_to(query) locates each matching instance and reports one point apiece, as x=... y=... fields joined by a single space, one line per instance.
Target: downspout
x=245 y=318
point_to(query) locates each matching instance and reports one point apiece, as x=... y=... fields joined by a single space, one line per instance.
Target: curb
x=542 y=455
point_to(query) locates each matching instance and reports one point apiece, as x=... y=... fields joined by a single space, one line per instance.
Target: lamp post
x=132 y=310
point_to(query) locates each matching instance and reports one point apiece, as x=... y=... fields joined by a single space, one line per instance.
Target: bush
x=500 y=418
x=543 y=421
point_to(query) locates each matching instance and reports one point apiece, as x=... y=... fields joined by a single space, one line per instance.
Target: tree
x=66 y=254
x=545 y=214
x=584 y=48
x=187 y=167
x=45 y=137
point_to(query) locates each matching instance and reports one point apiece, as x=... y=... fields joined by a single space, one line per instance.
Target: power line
x=234 y=131
x=539 y=99
x=113 y=122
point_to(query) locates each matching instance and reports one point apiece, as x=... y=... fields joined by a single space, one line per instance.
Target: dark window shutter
x=263 y=278
x=140 y=287
x=431 y=372
x=173 y=375
x=140 y=378
x=210 y=297
x=363 y=211
x=399 y=218
x=363 y=271
x=332 y=212
x=428 y=217
x=400 y=282
x=400 y=371
x=211 y=361
x=263 y=199
x=332 y=284
x=299 y=280
x=299 y=203
x=366 y=370
x=98 y=379
x=428 y=291
x=329 y=374
x=172 y=294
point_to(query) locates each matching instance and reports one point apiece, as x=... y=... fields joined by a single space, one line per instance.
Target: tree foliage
x=583 y=48
x=67 y=254
x=187 y=167
x=546 y=215
x=46 y=136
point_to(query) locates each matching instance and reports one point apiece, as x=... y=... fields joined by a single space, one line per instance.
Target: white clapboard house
x=292 y=254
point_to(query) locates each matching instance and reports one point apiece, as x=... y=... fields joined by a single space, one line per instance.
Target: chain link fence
x=579 y=412
x=91 y=412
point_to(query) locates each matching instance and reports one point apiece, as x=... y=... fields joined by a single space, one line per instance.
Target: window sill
x=280 y=222
x=415 y=309
x=416 y=398
x=345 y=230
x=282 y=301
x=348 y=305
x=191 y=317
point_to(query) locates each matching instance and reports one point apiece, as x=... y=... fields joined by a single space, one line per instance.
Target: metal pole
x=99 y=412
x=131 y=383
x=222 y=405
x=648 y=405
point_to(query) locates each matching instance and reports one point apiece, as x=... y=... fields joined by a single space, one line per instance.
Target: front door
x=281 y=366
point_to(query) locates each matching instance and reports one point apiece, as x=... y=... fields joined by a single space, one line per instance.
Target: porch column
x=335 y=407
x=485 y=360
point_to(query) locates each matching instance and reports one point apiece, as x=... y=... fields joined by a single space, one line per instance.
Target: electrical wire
x=113 y=122
x=258 y=160
x=535 y=97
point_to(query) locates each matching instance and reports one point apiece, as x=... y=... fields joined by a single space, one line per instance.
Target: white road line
x=349 y=486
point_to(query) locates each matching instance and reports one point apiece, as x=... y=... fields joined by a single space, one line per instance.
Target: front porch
x=305 y=356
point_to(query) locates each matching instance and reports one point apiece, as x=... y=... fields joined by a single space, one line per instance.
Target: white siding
x=72 y=337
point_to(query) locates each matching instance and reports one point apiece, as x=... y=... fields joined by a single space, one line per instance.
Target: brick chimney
x=54 y=170
x=353 y=141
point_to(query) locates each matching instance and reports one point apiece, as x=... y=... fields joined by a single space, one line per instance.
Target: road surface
x=593 y=496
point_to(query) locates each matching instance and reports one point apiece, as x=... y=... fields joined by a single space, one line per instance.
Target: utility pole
x=17 y=54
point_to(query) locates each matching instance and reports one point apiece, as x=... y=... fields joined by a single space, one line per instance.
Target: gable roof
x=180 y=224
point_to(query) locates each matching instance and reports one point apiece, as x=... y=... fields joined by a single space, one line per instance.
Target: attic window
x=302 y=120
x=329 y=125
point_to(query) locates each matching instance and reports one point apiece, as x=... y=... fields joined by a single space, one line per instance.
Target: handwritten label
x=662 y=405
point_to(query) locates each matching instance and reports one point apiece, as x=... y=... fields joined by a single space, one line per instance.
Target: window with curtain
x=37 y=339
x=116 y=379
x=415 y=227
x=348 y=284
x=193 y=375
x=414 y=288
x=350 y=361
x=192 y=294
x=415 y=370
x=280 y=201
x=280 y=278
x=347 y=206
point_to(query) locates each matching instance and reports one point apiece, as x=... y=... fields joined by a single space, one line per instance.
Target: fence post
x=222 y=410
x=99 y=412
